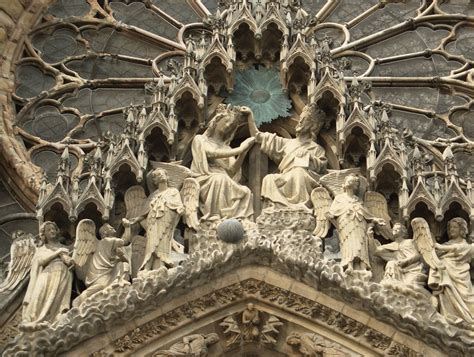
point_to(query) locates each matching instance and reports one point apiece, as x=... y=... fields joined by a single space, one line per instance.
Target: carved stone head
x=224 y=122
x=311 y=121
x=211 y=338
x=399 y=231
x=49 y=231
x=457 y=227
x=351 y=184
x=158 y=176
x=107 y=231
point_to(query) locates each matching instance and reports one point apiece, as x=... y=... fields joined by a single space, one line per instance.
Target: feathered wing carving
x=334 y=181
x=84 y=247
x=321 y=199
x=176 y=173
x=22 y=251
x=138 y=254
x=425 y=243
x=377 y=206
x=135 y=199
x=136 y=205
x=190 y=195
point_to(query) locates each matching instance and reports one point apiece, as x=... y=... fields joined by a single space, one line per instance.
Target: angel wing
x=176 y=173
x=425 y=243
x=22 y=251
x=136 y=205
x=138 y=254
x=135 y=199
x=377 y=205
x=190 y=196
x=321 y=200
x=334 y=181
x=84 y=246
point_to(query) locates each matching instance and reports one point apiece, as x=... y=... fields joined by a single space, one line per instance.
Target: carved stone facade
x=279 y=190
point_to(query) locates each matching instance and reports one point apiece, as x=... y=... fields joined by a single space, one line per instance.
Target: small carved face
x=212 y=338
x=397 y=230
x=352 y=182
x=250 y=306
x=226 y=125
x=304 y=124
x=50 y=232
x=454 y=230
x=110 y=231
x=159 y=176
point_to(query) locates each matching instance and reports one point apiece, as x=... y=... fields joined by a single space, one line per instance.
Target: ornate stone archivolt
x=216 y=220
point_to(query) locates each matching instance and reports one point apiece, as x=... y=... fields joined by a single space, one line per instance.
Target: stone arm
x=47 y=259
x=251 y=123
x=247 y=144
x=384 y=253
x=223 y=153
x=414 y=258
x=318 y=161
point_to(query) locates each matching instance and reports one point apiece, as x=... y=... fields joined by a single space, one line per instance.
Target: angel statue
x=217 y=168
x=351 y=217
x=161 y=214
x=449 y=277
x=404 y=265
x=99 y=263
x=49 y=290
x=300 y=161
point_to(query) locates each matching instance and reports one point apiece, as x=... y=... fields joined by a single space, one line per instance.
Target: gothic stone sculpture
x=193 y=345
x=404 y=265
x=311 y=345
x=49 y=290
x=300 y=160
x=99 y=263
x=217 y=168
x=351 y=216
x=250 y=322
x=449 y=276
x=163 y=211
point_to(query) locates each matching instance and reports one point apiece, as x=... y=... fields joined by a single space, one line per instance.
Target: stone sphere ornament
x=230 y=231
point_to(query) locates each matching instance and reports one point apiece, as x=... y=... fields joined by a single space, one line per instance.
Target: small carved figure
x=49 y=290
x=449 y=277
x=250 y=322
x=404 y=265
x=217 y=168
x=99 y=263
x=22 y=251
x=300 y=160
x=351 y=216
x=231 y=327
x=311 y=345
x=196 y=345
x=163 y=211
x=270 y=330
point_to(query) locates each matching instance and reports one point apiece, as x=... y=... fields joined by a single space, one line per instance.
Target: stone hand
x=247 y=144
x=301 y=153
x=380 y=221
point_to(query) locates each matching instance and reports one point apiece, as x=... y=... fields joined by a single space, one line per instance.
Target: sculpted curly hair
x=461 y=222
